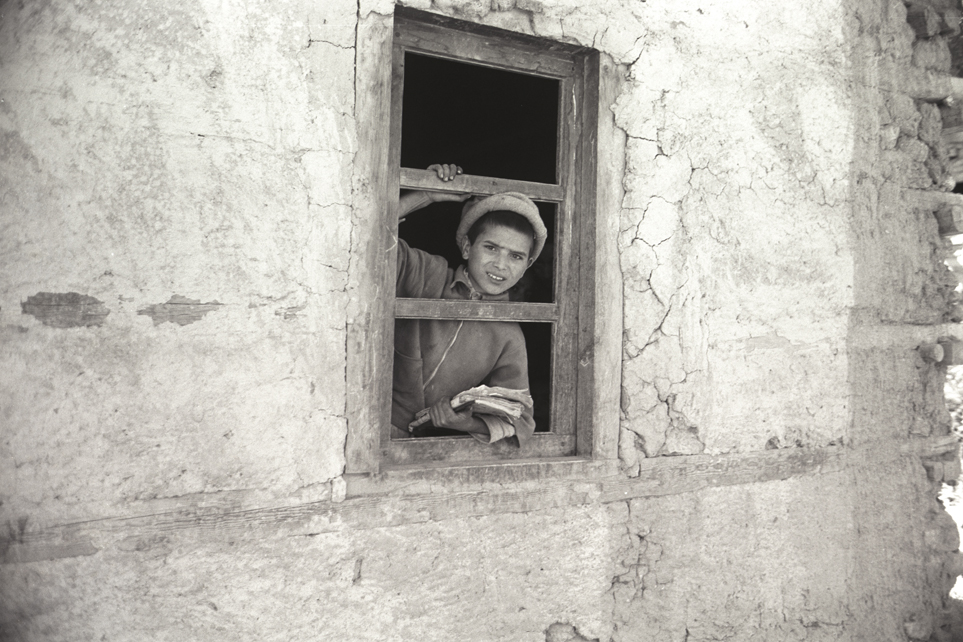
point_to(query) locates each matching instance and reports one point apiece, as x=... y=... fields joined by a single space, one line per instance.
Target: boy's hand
x=417 y=199
x=446 y=172
x=443 y=416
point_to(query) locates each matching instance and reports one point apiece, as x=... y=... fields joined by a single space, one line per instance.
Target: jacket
x=439 y=358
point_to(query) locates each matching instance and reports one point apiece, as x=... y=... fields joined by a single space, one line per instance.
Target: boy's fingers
x=440 y=412
x=446 y=172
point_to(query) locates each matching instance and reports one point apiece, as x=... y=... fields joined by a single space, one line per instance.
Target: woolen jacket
x=439 y=358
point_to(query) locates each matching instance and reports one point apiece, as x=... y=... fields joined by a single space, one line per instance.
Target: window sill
x=442 y=477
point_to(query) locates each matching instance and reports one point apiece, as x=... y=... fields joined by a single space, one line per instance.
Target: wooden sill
x=418 y=479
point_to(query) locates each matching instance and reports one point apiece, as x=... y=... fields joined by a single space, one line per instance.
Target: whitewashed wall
x=172 y=434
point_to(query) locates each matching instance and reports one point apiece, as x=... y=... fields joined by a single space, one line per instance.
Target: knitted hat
x=507 y=201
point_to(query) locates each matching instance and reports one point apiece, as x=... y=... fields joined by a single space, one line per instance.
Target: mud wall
x=182 y=211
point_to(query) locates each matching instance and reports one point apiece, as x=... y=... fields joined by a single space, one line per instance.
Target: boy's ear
x=465 y=246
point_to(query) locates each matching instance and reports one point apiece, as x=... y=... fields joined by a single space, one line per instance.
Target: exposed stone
x=924 y=19
x=932 y=54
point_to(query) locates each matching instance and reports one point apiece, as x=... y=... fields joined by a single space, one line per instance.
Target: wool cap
x=506 y=201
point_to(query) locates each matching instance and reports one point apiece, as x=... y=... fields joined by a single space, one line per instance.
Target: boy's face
x=497 y=259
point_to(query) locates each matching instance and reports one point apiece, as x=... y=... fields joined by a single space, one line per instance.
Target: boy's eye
x=517 y=257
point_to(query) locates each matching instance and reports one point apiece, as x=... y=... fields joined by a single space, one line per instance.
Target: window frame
x=572 y=312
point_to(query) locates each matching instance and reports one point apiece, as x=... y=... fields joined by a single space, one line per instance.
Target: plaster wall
x=172 y=450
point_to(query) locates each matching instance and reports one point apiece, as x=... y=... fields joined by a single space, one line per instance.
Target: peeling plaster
x=65 y=310
x=179 y=310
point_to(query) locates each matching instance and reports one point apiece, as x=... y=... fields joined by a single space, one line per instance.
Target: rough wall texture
x=178 y=209
x=145 y=159
x=737 y=269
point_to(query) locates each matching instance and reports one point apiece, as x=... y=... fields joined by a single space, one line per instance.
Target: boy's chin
x=495 y=290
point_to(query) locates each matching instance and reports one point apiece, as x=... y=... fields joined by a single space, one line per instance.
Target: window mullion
x=476 y=310
x=564 y=340
x=425 y=180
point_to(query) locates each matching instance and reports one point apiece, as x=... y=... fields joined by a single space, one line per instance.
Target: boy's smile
x=497 y=259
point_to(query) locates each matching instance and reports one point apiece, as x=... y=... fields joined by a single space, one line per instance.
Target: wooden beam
x=586 y=172
x=950 y=218
x=481 y=310
x=421 y=179
x=369 y=324
x=952 y=352
x=425 y=32
x=947 y=207
x=420 y=494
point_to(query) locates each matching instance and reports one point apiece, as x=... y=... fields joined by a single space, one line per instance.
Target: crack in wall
x=562 y=632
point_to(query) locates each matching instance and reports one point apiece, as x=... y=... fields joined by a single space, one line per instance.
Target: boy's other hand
x=443 y=416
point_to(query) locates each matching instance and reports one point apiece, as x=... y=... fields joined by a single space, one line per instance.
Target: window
x=519 y=114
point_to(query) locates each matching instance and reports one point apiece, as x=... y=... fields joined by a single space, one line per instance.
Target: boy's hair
x=503 y=218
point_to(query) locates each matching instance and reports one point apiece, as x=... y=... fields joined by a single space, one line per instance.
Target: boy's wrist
x=411 y=202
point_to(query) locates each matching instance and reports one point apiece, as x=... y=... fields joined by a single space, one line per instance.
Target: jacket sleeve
x=511 y=371
x=498 y=429
x=419 y=273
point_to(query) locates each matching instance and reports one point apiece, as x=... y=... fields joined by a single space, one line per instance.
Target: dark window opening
x=490 y=121
x=496 y=123
x=538 y=343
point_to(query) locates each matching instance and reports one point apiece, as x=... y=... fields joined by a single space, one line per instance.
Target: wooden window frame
x=572 y=314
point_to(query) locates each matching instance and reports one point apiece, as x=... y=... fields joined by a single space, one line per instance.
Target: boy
x=499 y=236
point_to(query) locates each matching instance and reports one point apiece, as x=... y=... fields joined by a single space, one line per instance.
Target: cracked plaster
x=702 y=174
x=189 y=169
